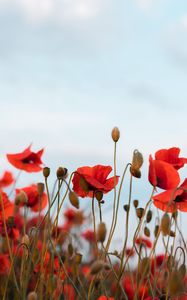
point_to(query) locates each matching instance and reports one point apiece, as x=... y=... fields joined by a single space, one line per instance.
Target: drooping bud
x=156 y=230
x=115 y=134
x=140 y=212
x=147 y=231
x=96 y=267
x=74 y=200
x=99 y=195
x=126 y=207
x=165 y=224
x=61 y=172
x=135 y=203
x=149 y=216
x=101 y=232
x=40 y=188
x=137 y=160
x=46 y=172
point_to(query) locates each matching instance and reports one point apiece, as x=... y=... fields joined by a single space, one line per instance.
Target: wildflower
x=129 y=252
x=35 y=201
x=6 y=180
x=5 y=264
x=7 y=204
x=95 y=179
x=27 y=160
x=171 y=156
x=89 y=236
x=173 y=199
x=146 y=242
x=74 y=217
x=12 y=230
x=162 y=174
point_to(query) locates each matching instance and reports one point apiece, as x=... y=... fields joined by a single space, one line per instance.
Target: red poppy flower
x=12 y=230
x=129 y=252
x=8 y=206
x=5 y=264
x=89 y=236
x=35 y=201
x=6 y=180
x=105 y=298
x=128 y=287
x=68 y=292
x=27 y=160
x=74 y=217
x=162 y=174
x=173 y=199
x=96 y=180
x=146 y=242
x=171 y=156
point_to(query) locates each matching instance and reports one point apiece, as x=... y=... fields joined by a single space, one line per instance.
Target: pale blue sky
x=70 y=70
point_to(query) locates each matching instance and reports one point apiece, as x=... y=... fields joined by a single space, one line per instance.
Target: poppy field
x=49 y=250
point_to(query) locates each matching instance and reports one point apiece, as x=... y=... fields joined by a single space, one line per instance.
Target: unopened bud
x=61 y=172
x=149 y=216
x=147 y=232
x=99 y=195
x=74 y=200
x=137 y=160
x=156 y=230
x=70 y=249
x=25 y=240
x=126 y=207
x=144 y=266
x=78 y=258
x=165 y=224
x=172 y=233
x=40 y=188
x=96 y=267
x=32 y=296
x=135 y=172
x=139 y=212
x=46 y=172
x=101 y=232
x=115 y=134
x=135 y=203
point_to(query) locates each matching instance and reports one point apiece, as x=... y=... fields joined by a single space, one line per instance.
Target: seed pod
x=70 y=249
x=78 y=258
x=32 y=296
x=126 y=207
x=99 y=195
x=115 y=134
x=147 y=231
x=96 y=267
x=84 y=184
x=149 y=216
x=74 y=200
x=25 y=240
x=101 y=232
x=165 y=224
x=137 y=160
x=40 y=188
x=61 y=172
x=46 y=172
x=135 y=203
x=156 y=230
x=139 y=212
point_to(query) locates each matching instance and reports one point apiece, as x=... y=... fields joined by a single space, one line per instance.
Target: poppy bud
x=21 y=198
x=32 y=296
x=139 y=212
x=40 y=188
x=99 y=195
x=165 y=224
x=172 y=233
x=78 y=258
x=156 y=230
x=84 y=184
x=137 y=160
x=25 y=240
x=149 y=216
x=101 y=232
x=46 y=172
x=96 y=267
x=61 y=172
x=135 y=203
x=115 y=134
x=74 y=200
x=126 y=207
x=147 y=231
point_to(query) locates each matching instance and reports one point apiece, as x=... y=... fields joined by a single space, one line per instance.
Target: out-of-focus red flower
x=89 y=235
x=85 y=270
x=27 y=160
x=6 y=180
x=128 y=287
x=96 y=180
x=5 y=264
x=146 y=242
x=173 y=199
x=129 y=252
x=171 y=156
x=162 y=174
x=74 y=217
x=12 y=230
x=143 y=291
x=157 y=262
x=8 y=206
x=35 y=201
x=68 y=292
x=105 y=298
